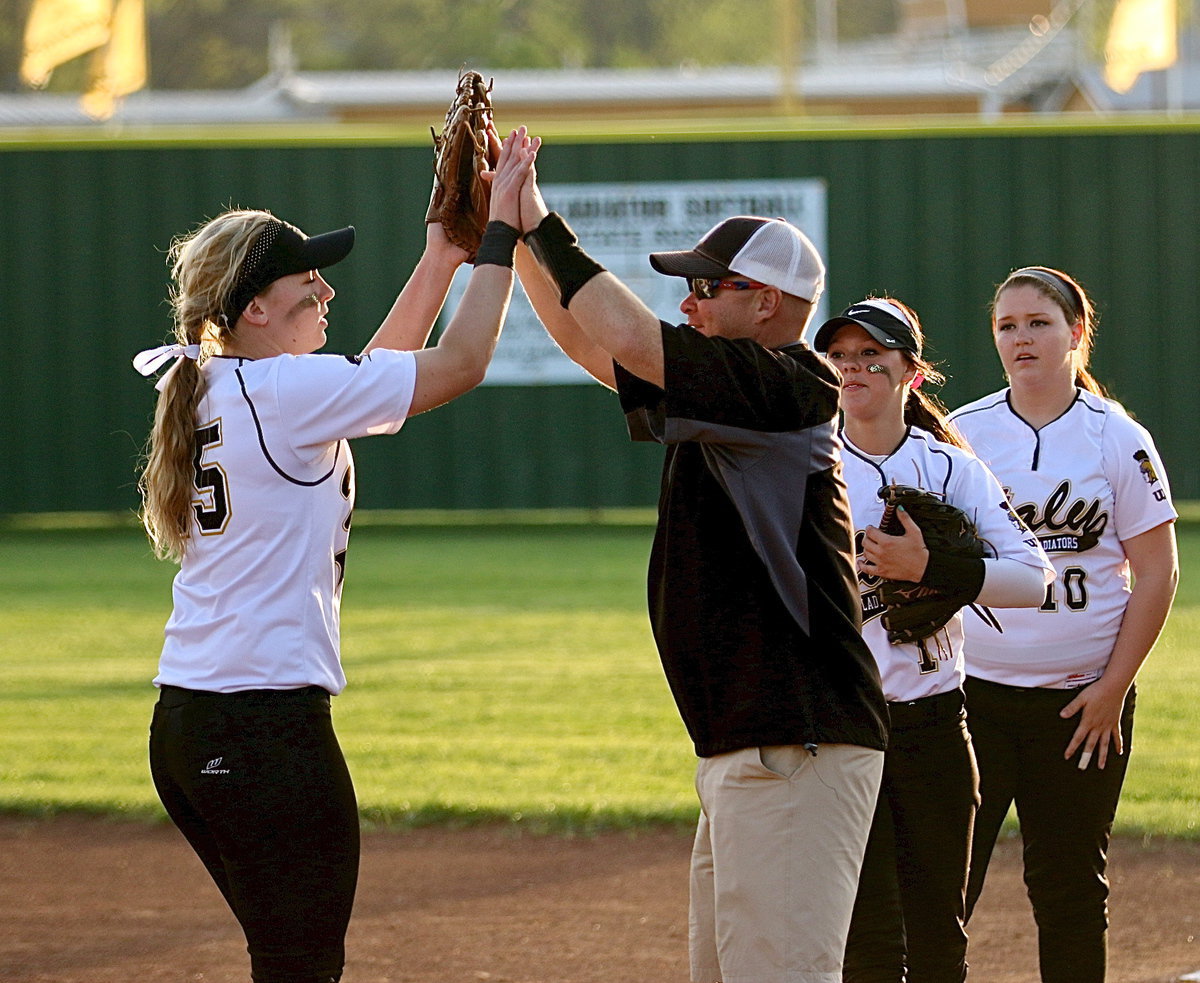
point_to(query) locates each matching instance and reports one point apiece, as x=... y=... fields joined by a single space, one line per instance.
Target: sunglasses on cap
x=705 y=288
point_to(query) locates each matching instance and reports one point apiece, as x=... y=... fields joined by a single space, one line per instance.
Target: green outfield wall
x=934 y=216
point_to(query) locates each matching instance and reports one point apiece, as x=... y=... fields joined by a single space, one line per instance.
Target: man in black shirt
x=752 y=587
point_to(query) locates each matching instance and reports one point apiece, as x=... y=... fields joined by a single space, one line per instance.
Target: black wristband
x=958 y=576
x=498 y=244
x=556 y=248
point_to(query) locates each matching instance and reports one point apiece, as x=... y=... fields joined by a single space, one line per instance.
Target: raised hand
x=533 y=207
x=513 y=167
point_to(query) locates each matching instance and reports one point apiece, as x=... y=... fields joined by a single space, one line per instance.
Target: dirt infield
x=89 y=901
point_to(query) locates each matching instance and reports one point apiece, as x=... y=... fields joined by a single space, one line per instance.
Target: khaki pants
x=776 y=860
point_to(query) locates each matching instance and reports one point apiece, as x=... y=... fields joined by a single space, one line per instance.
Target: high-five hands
x=514 y=167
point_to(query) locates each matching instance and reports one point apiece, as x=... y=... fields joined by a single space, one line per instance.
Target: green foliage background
x=218 y=44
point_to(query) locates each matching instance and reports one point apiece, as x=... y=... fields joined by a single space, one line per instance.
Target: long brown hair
x=204 y=267
x=1068 y=296
x=924 y=409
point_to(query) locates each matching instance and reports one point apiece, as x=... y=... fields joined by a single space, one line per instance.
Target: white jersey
x=258 y=595
x=911 y=671
x=1083 y=483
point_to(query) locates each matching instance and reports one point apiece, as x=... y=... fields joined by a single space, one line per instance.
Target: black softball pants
x=258 y=785
x=1066 y=819
x=909 y=911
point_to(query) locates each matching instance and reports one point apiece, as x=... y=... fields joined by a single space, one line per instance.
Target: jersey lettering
x=926 y=661
x=868 y=585
x=1074 y=589
x=212 y=504
x=339 y=558
x=1063 y=528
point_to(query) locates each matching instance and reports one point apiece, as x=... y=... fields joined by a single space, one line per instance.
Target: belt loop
x=928 y=709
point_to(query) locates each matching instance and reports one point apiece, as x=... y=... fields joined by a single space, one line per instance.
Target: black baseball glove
x=916 y=611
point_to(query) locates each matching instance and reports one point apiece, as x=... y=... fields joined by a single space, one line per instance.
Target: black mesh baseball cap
x=883 y=321
x=770 y=250
x=281 y=250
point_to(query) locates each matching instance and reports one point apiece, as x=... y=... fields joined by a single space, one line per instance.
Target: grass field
x=496 y=672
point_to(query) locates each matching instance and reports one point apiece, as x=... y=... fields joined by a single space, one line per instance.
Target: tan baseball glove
x=461 y=152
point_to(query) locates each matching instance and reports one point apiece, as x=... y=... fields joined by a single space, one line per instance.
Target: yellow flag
x=59 y=30
x=119 y=67
x=1141 y=38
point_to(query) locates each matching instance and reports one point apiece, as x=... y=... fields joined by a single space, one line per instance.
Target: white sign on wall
x=620 y=225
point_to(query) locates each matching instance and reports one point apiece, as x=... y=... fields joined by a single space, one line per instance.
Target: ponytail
x=204 y=266
x=166 y=481
x=1085 y=380
x=924 y=410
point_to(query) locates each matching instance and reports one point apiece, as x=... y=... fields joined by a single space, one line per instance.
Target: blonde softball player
x=909 y=914
x=250 y=484
x=1051 y=700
